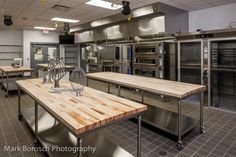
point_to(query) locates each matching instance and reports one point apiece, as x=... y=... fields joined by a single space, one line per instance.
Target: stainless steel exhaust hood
x=220 y=33
x=149 y=20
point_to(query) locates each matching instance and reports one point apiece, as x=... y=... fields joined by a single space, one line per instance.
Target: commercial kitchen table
x=9 y=70
x=173 y=89
x=45 y=66
x=80 y=115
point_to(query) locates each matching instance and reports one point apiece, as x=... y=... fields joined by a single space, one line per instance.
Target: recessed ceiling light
x=64 y=20
x=104 y=4
x=44 y=28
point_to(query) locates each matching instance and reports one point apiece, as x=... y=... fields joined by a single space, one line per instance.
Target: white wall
x=212 y=18
x=30 y=36
x=11 y=37
x=10 y=46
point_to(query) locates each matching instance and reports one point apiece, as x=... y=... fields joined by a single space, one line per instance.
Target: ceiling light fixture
x=64 y=20
x=44 y=28
x=104 y=4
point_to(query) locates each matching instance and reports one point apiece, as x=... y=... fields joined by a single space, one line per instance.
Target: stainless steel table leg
x=201 y=113
x=87 y=82
x=180 y=143
x=7 y=85
x=142 y=97
x=79 y=144
x=139 y=136
x=19 y=105
x=36 y=142
x=2 y=79
x=108 y=88
x=119 y=88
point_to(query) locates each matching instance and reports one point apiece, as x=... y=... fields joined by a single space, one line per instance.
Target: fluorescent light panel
x=44 y=28
x=64 y=20
x=104 y=4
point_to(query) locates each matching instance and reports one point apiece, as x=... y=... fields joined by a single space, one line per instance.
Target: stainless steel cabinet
x=193 y=64
x=223 y=73
x=190 y=64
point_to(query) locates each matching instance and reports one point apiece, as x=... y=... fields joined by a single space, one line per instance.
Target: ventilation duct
x=61 y=8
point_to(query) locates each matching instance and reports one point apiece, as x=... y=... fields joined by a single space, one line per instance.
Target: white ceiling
x=39 y=15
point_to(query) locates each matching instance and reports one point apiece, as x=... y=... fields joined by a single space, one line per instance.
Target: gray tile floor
x=218 y=141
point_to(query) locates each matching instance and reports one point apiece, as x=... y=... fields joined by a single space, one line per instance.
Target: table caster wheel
x=36 y=143
x=202 y=130
x=6 y=95
x=20 y=117
x=180 y=146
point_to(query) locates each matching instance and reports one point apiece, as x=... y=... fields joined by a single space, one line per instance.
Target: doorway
x=42 y=53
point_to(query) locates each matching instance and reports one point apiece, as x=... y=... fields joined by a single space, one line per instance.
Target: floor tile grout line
x=223 y=137
x=27 y=99
x=175 y=145
x=1 y=104
x=193 y=136
x=12 y=126
x=213 y=135
x=209 y=127
x=218 y=131
x=158 y=148
x=4 y=136
x=12 y=110
x=22 y=128
x=231 y=144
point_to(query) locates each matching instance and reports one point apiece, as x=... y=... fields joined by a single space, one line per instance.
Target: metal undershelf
x=11 y=84
x=52 y=133
x=167 y=120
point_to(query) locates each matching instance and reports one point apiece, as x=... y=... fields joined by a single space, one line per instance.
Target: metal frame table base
x=7 y=80
x=180 y=144
x=80 y=137
x=2 y=80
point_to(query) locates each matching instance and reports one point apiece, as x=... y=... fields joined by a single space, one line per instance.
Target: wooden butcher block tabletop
x=84 y=113
x=44 y=66
x=10 y=69
x=153 y=85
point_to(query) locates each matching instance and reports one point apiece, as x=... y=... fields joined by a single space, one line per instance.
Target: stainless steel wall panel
x=118 y=31
x=176 y=20
x=101 y=33
x=149 y=26
x=86 y=36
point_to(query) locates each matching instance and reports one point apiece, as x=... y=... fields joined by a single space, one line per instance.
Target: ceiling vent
x=61 y=8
